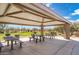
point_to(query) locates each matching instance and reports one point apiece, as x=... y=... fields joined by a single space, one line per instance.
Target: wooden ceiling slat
x=49 y=12
x=13 y=13
x=17 y=23
x=24 y=19
x=29 y=8
x=25 y=9
x=54 y=25
x=49 y=21
x=32 y=12
x=20 y=5
x=8 y=6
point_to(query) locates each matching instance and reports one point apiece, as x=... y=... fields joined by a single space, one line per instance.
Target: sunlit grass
x=22 y=34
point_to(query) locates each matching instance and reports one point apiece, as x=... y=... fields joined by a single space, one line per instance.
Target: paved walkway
x=58 y=46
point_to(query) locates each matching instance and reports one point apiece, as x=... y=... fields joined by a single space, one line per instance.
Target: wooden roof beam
x=50 y=13
x=54 y=25
x=18 y=24
x=49 y=21
x=20 y=5
x=24 y=19
x=32 y=12
x=7 y=8
x=13 y=13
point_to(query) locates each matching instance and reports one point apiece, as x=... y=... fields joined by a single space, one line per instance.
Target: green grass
x=25 y=34
x=22 y=34
x=1 y=37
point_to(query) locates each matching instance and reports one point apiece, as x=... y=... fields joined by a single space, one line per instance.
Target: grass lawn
x=22 y=34
x=1 y=37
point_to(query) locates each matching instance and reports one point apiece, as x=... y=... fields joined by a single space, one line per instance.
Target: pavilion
x=32 y=14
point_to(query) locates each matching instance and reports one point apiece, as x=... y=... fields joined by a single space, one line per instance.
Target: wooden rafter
x=45 y=16
x=49 y=21
x=24 y=19
x=8 y=6
x=57 y=14
x=29 y=8
x=47 y=12
x=1 y=15
x=26 y=9
x=29 y=12
x=13 y=13
x=20 y=5
x=18 y=24
x=37 y=14
x=53 y=25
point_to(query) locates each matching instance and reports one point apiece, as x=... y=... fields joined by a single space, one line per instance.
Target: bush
x=7 y=34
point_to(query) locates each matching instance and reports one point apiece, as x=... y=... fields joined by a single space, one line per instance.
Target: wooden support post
x=15 y=42
x=67 y=31
x=7 y=42
x=36 y=40
x=0 y=49
x=11 y=44
x=20 y=44
x=42 y=29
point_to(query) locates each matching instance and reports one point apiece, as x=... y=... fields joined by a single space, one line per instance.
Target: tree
x=59 y=29
x=3 y=27
x=35 y=29
x=74 y=28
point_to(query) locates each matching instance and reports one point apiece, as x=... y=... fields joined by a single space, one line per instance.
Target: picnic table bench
x=12 y=40
x=37 y=38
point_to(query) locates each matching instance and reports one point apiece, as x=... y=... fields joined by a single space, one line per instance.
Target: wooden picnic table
x=9 y=39
x=12 y=39
x=37 y=38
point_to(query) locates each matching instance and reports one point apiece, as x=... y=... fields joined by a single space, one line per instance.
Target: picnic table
x=12 y=39
x=37 y=38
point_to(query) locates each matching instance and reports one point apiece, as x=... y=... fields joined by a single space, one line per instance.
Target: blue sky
x=69 y=11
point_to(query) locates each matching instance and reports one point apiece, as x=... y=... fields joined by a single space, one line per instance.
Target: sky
x=70 y=11
x=22 y=26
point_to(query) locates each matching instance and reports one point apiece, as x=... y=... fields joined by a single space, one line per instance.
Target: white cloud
x=67 y=17
x=48 y=4
x=72 y=21
x=77 y=20
x=76 y=12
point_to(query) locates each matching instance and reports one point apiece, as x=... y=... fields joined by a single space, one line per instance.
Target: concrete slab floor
x=57 y=46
